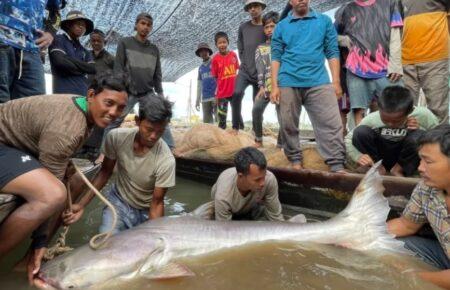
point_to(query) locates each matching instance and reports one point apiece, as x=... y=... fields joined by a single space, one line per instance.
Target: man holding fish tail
x=430 y=203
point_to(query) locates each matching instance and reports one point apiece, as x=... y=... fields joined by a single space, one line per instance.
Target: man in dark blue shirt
x=70 y=61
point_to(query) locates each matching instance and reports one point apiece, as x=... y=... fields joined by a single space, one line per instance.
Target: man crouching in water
x=145 y=169
x=247 y=191
x=430 y=203
x=38 y=135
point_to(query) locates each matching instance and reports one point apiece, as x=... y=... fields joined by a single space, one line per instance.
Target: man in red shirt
x=224 y=66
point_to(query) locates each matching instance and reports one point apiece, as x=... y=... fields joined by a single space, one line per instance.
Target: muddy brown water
x=256 y=266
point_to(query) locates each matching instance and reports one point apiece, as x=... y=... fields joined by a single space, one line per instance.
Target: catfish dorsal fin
x=299 y=219
x=169 y=271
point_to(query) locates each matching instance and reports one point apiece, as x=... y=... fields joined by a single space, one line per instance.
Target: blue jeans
x=132 y=101
x=430 y=251
x=20 y=76
x=127 y=216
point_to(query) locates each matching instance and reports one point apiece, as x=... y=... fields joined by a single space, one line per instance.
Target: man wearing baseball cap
x=250 y=35
x=69 y=60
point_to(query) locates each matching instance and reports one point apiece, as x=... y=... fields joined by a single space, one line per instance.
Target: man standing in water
x=145 y=169
x=250 y=35
x=247 y=191
x=430 y=203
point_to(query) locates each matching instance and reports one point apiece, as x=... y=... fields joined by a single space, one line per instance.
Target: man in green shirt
x=391 y=134
x=38 y=135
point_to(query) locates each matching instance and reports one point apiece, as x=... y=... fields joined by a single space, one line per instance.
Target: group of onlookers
x=371 y=46
x=381 y=55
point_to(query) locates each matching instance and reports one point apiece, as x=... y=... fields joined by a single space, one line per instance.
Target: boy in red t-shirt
x=224 y=66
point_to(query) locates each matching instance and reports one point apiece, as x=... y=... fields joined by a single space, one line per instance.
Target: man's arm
x=331 y=50
x=440 y=278
x=335 y=68
x=157 y=76
x=157 y=204
x=222 y=210
x=402 y=227
x=240 y=43
x=99 y=182
x=272 y=202
x=109 y=150
x=277 y=48
x=199 y=91
x=69 y=66
x=352 y=152
x=120 y=60
x=395 y=68
x=276 y=93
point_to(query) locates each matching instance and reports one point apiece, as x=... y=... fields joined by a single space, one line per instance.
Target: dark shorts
x=14 y=163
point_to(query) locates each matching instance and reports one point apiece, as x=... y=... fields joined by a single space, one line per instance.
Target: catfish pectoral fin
x=169 y=271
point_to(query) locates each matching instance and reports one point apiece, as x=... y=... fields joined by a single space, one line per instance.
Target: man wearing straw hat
x=70 y=61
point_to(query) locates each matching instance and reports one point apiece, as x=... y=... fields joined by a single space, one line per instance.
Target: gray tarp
x=178 y=24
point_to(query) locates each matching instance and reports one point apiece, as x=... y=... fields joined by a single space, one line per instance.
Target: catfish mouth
x=41 y=282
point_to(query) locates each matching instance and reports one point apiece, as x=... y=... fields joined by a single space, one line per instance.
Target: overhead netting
x=207 y=141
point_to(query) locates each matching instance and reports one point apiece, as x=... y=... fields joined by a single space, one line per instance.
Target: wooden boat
x=322 y=193
x=9 y=202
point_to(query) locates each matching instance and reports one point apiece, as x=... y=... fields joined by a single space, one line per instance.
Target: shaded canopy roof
x=179 y=25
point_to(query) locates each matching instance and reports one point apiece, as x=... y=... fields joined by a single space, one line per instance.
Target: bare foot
x=296 y=166
x=258 y=144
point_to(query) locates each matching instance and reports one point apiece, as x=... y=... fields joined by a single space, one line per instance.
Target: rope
x=96 y=241
x=60 y=247
x=104 y=236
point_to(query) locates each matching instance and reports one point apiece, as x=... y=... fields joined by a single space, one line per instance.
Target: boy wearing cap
x=69 y=60
x=206 y=84
x=22 y=40
x=250 y=35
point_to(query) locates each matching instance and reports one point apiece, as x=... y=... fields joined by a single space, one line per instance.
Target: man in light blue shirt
x=300 y=44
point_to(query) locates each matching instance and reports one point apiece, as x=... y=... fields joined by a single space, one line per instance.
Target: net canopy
x=179 y=25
